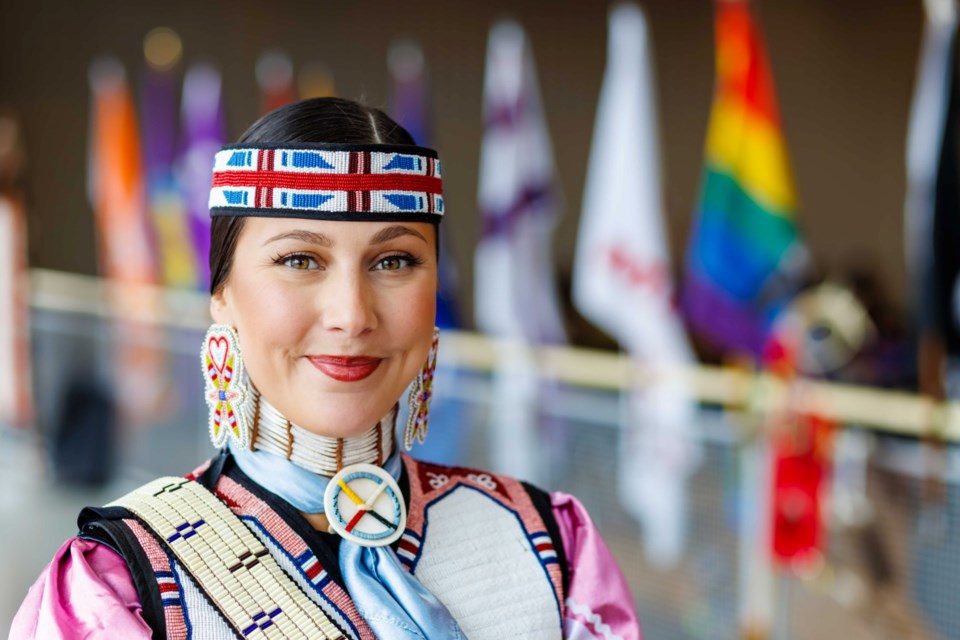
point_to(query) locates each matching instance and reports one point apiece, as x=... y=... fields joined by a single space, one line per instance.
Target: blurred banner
x=622 y=273
x=16 y=406
x=408 y=89
x=801 y=454
x=928 y=116
x=932 y=208
x=126 y=251
x=158 y=103
x=116 y=187
x=204 y=132
x=514 y=291
x=745 y=258
x=519 y=202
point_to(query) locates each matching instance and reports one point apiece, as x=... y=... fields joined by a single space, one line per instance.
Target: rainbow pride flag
x=745 y=259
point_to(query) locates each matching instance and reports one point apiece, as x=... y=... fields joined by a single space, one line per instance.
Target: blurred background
x=699 y=269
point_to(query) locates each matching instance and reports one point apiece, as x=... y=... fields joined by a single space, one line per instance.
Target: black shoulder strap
x=541 y=501
x=103 y=525
x=215 y=469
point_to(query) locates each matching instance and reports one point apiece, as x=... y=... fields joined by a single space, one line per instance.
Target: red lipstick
x=345 y=368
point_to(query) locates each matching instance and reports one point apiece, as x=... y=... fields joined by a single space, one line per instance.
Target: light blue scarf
x=390 y=599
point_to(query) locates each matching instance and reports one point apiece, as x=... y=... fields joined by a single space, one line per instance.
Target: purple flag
x=158 y=105
x=203 y=133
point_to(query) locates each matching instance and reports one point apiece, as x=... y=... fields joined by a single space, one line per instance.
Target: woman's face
x=334 y=318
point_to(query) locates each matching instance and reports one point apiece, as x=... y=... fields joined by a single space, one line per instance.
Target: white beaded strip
x=215 y=548
x=316 y=453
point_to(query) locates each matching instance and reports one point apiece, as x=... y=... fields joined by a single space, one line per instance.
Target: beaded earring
x=226 y=393
x=419 y=397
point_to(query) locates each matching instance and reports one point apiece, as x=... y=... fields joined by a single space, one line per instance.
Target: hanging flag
x=801 y=465
x=204 y=132
x=622 y=263
x=116 y=185
x=274 y=72
x=126 y=253
x=928 y=116
x=408 y=88
x=16 y=403
x=518 y=199
x=932 y=207
x=622 y=273
x=745 y=258
x=158 y=106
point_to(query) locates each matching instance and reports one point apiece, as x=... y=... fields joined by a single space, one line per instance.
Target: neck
x=322 y=455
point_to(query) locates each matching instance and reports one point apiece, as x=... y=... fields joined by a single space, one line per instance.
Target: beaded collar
x=321 y=455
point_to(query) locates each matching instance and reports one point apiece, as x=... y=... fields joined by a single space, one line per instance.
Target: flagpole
x=783 y=620
x=757 y=607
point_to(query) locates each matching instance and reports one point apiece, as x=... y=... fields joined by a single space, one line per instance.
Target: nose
x=348 y=305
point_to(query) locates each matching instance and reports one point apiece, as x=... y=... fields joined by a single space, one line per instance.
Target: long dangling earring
x=419 y=398
x=227 y=394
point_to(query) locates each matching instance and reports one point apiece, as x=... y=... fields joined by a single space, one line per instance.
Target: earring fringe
x=419 y=398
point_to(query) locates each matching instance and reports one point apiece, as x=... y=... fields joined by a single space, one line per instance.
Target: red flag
x=800 y=449
x=801 y=466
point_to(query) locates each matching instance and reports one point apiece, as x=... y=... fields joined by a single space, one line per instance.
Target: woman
x=311 y=523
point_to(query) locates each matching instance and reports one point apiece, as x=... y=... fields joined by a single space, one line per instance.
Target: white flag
x=928 y=116
x=519 y=202
x=622 y=283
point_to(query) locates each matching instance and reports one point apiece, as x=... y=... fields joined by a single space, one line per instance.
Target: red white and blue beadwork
x=332 y=181
x=226 y=393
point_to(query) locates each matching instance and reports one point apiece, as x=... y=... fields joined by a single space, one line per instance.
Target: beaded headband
x=371 y=182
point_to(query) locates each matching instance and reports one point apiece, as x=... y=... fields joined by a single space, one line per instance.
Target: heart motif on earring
x=226 y=394
x=218 y=348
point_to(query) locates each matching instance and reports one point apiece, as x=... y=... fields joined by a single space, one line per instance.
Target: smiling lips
x=345 y=368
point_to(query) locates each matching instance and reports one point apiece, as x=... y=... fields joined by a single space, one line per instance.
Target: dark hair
x=334 y=120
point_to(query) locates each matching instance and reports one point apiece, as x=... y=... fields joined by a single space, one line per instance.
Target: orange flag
x=116 y=188
x=126 y=252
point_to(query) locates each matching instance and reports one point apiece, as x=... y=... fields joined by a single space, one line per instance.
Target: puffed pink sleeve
x=599 y=604
x=85 y=592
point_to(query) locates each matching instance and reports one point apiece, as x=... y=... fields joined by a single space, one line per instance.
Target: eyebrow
x=384 y=235
x=396 y=231
x=304 y=235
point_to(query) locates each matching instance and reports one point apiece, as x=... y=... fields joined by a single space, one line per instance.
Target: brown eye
x=300 y=262
x=392 y=263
